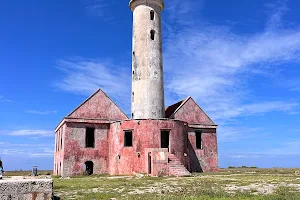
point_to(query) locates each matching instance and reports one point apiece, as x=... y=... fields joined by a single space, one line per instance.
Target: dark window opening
x=187 y=140
x=164 y=140
x=61 y=141
x=133 y=53
x=128 y=139
x=132 y=115
x=60 y=168
x=89 y=168
x=198 y=139
x=152 y=15
x=132 y=96
x=152 y=32
x=133 y=72
x=90 y=138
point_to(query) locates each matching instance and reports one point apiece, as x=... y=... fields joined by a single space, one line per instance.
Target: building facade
x=98 y=138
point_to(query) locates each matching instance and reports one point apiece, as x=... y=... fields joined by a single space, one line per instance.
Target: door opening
x=89 y=167
x=149 y=164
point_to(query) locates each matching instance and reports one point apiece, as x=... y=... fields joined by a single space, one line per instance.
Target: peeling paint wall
x=205 y=159
x=59 y=150
x=146 y=134
x=191 y=113
x=76 y=154
x=99 y=106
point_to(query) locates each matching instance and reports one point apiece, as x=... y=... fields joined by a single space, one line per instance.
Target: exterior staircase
x=175 y=167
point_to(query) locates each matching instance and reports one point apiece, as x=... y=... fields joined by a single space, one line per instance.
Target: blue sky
x=238 y=59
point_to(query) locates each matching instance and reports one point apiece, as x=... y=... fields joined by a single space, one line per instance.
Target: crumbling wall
x=159 y=161
x=76 y=154
x=146 y=134
x=205 y=159
x=26 y=189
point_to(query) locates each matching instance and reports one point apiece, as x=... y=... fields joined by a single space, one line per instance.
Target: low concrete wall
x=31 y=189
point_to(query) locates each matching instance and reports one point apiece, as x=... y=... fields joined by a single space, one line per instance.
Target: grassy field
x=258 y=184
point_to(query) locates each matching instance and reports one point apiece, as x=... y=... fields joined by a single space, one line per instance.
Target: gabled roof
x=172 y=108
x=188 y=110
x=98 y=106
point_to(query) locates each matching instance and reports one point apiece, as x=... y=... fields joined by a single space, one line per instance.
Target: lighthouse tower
x=147 y=61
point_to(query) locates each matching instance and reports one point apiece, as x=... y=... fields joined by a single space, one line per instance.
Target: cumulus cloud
x=210 y=62
x=213 y=64
x=85 y=76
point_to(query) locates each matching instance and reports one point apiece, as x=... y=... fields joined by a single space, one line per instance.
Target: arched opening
x=152 y=15
x=59 y=168
x=89 y=167
x=152 y=32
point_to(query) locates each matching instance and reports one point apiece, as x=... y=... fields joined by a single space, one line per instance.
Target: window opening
x=152 y=32
x=90 y=138
x=132 y=96
x=198 y=139
x=128 y=139
x=152 y=15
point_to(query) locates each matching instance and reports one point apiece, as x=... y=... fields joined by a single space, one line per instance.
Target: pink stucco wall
x=146 y=134
x=205 y=159
x=109 y=154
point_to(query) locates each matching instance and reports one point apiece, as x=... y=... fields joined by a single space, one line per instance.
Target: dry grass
x=260 y=184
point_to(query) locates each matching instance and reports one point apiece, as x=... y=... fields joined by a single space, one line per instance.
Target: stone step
x=176 y=168
x=175 y=163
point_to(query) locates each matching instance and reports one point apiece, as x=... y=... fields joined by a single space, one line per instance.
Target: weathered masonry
x=97 y=137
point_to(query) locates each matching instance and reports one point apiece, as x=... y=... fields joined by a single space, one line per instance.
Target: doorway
x=164 y=139
x=89 y=167
x=149 y=164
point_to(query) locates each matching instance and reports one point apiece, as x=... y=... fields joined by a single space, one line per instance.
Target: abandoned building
x=98 y=137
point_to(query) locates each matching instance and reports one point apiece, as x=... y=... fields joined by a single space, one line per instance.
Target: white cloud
x=234 y=133
x=213 y=64
x=99 y=8
x=3 y=99
x=277 y=10
x=46 y=152
x=40 y=112
x=29 y=132
x=85 y=76
x=27 y=149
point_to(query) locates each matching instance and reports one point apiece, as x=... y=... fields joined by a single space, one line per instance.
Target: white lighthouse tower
x=147 y=61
